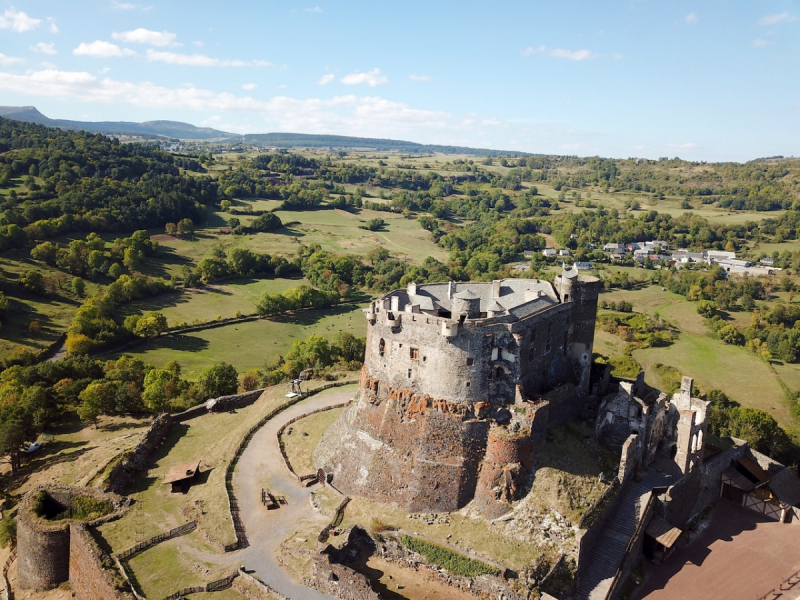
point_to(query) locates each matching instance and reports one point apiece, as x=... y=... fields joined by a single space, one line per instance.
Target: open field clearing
x=735 y=370
x=208 y=302
x=78 y=453
x=250 y=344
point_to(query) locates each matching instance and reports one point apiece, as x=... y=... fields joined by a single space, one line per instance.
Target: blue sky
x=711 y=80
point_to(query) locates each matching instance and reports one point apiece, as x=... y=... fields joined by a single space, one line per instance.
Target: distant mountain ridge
x=185 y=131
x=169 y=129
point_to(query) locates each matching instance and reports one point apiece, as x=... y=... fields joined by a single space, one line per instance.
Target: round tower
x=466 y=304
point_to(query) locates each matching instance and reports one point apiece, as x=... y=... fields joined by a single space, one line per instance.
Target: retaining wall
x=135 y=462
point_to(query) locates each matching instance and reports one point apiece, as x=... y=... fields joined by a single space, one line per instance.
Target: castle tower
x=582 y=292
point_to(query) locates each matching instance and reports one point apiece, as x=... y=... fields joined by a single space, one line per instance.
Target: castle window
x=549 y=327
x=382 y=347
x=577 y=326
x=499 y=372
x=375 y=386
x=531 y=352
x=413 y=353
x=566 y=297
x=489 y=375
x=470 y=361
x=409 y=373
x=548 y=345
x=424 y=358
x=468 y=384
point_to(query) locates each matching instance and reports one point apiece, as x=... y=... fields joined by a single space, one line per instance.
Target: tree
x=170 y=228
x=218 y=380
x=78 y=343
x=160 y=386
x=90 y=409
x=706 y=309
x=34 y=281
x=115 y=271
x=78 y=287
x=185 y=227
x=348 y=347
x=150 y=325
x=251 y=380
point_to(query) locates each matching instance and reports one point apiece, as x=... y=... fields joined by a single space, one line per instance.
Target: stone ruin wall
x=126 y=470
x=92 y=573
x=44 y=548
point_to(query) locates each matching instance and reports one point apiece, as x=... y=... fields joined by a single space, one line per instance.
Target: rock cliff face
x=444 y=365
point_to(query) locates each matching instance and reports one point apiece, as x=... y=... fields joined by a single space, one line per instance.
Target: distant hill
x=304 y=140
x=169 y=129
x=185 y=131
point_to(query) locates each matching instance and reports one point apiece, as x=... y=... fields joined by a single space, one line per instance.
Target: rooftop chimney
x=451 y=289
x=412 y=288
x=496 y=288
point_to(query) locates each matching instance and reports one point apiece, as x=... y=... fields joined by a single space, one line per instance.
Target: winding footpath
x=260 y=467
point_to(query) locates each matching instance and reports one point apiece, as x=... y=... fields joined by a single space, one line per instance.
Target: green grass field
x=305 y=436
x=714 y=364
x=250 y=344
x=211 y=301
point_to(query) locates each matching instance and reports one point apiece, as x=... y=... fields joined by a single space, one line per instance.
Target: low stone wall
x=295 y=420
x=595 y=523
x=91 y=571
x=334 y=577
x=221 y=404
x=233 y=503
x=264 y=591
x=135 y=462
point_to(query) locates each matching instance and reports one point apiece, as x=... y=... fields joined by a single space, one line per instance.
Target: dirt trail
x=261 y=466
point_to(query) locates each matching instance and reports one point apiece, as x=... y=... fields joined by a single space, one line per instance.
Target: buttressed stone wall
x=444 y=364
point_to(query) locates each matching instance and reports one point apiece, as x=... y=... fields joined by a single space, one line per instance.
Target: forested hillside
x=62 y=181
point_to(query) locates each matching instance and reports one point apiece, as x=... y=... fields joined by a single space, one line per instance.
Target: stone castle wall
x=43 y=546
x=92 y=573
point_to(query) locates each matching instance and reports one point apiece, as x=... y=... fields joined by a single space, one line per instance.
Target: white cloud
x=561 y=53
x=783 y=17
x=617 y=56
x=371 y=78
x=685 y=146
x=101 y=49
x=44 y=48
x=52 y=28
x=9 y=60
x=691 y=18
x=351 y=114
x=18 y=21
x=326 y=79
x=146 y=36
x=249 y=86
x=571 y=55
x=315 y=9
x=759 y=43
x=415 y=77
x=198 y=43
x=531 y=50
x=128 y=6
x=200 y=60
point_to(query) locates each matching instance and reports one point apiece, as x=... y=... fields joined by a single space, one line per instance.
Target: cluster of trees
x=32 y=398
x=91 y=260
x=78 y=181
x=315 y=352
x=239 y=262
x=757 y=427
x=295 y=298
x=96 y=323
x=639 y=330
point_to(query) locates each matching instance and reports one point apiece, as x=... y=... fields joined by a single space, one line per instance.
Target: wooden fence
x=167 y=535
x=233 y=503
x=214 y=586
x=294 y=420
x=338 y=517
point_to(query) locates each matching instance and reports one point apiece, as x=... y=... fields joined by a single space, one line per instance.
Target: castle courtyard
x=741 y=554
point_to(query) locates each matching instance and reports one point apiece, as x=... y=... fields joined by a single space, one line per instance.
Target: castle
x=460 y=382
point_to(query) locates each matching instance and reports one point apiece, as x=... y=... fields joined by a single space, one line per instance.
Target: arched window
x=382 y=347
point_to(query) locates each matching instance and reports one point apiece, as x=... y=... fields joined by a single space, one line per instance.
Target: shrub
x=457 y=564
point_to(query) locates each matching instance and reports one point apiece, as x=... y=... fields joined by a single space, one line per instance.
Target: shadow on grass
x=311 y=317
x=180 y=343
x=123 y=426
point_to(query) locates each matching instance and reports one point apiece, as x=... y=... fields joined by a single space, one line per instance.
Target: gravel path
x=261 y=466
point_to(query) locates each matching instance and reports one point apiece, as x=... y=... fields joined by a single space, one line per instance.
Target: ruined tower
x=450 y=368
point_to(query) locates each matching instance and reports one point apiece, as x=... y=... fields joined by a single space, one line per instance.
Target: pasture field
x=248 y=345
x=208 y=302
x=735 y=370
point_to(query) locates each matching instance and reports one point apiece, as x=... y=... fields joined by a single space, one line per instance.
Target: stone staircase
x=596 y=580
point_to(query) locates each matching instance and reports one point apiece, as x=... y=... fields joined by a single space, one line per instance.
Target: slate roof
x=431 y=296
x=786 y=486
